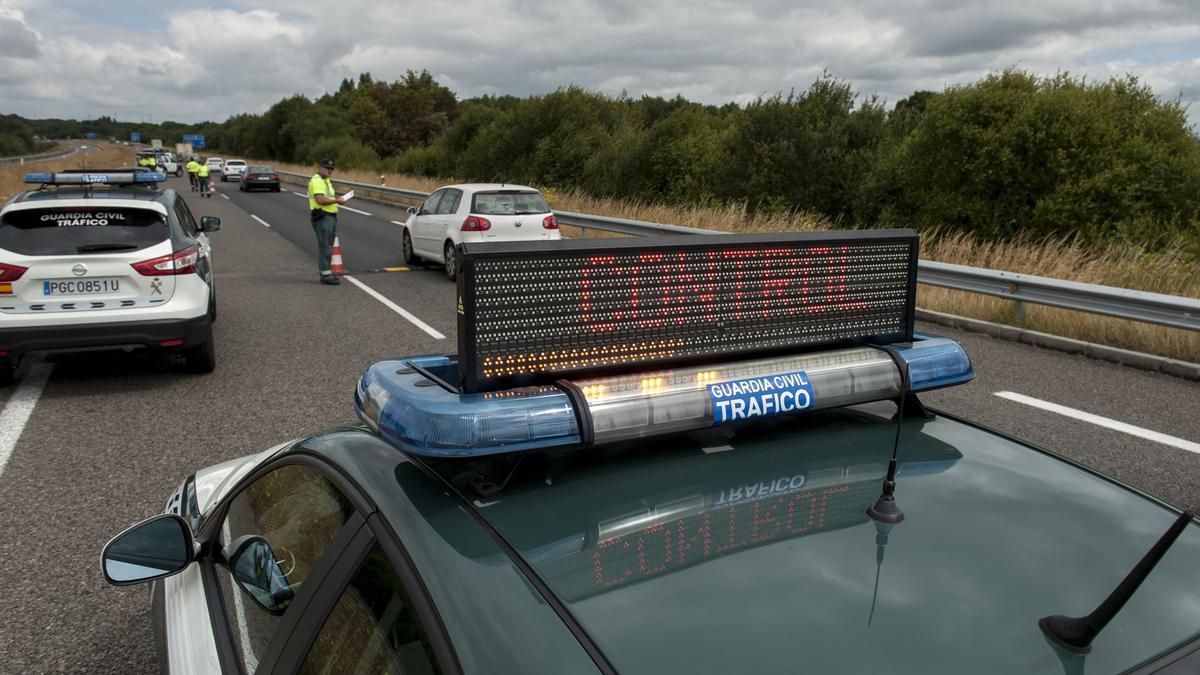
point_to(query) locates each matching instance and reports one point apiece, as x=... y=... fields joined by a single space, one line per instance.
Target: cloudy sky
x=191 y=61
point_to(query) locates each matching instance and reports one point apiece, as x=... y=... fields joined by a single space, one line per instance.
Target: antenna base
x=885 y=509
x=1074 y=634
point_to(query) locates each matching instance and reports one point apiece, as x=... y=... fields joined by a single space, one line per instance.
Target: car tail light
x=476 y=224
x=274 y=177
x=179 y=262
x=550 y=222
x=11 y=272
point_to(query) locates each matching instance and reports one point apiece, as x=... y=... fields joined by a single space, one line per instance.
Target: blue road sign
x=135 y=137
x=197 y=140
x=91 y=135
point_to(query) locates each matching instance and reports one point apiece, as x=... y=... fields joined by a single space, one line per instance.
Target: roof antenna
x=1075 y=633
x=885 y=509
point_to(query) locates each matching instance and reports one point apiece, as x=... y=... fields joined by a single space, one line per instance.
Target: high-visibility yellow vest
x=193 y=166
x=202 y=171
x=321 y=186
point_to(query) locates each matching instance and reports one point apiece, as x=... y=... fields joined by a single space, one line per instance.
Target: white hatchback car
x=96 y=260
x=215 y=165
x=233 y=169
x=474 y=212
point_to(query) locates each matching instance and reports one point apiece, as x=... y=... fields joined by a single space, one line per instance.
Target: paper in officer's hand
x=348 y=196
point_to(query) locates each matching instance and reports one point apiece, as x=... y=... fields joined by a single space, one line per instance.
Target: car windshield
x=709 y=551
x=80 y=229
x=508 y=203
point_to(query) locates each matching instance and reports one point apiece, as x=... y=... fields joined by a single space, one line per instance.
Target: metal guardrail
x=1156 y=308
x=42 y=157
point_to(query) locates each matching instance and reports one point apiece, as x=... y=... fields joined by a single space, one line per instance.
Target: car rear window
x=81 y=229
x=508 y=203
x=235 y=162
x=260 y=169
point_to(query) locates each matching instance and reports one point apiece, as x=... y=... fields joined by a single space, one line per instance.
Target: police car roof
x=122 y=193
x=713 y=550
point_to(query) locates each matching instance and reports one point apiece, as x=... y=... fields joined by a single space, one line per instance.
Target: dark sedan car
x=694 y=455
x=259 y=177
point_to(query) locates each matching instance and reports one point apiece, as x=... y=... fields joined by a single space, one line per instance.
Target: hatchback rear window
x=260 y=169
x=508 y=203
x=81 y=229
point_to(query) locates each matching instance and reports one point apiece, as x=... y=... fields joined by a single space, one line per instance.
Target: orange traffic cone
x=212 y=188
x=335 y=264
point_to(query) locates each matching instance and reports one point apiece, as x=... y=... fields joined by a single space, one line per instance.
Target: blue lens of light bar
x=39 y=177
x=398 y=403
x=149 y=177
x=935 y=362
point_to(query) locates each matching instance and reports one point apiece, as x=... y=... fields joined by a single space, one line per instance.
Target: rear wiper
x=92 y=248
x=525 y=213
x=1075 y=634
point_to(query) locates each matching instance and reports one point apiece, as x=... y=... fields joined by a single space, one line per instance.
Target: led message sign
x=533 y=312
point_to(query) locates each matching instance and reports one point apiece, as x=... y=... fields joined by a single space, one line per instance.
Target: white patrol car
x=98 y=259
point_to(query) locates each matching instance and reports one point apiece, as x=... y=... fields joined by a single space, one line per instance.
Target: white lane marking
x=20 y=407
x=225 y=195
x=1102 y=421
x=300 y=194
x=265 y=223
x=395 y=308
x=396 y=222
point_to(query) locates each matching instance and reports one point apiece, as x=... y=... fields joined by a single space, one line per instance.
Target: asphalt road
x=109 y=438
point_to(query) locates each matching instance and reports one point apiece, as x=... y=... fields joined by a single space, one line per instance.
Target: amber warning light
x=533 y=312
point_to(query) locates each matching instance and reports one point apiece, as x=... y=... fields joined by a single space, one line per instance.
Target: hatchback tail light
x=274 y=176
x=476 y=224
x=550 y=222
x=179 y=262
x=11 y=272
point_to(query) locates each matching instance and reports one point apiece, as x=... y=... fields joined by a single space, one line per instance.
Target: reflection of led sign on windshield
x=529 y=311
x=779 y=512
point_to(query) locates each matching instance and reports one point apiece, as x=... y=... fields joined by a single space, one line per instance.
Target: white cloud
x=216 y=62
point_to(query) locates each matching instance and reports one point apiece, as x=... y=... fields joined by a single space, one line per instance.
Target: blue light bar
x=403 y=402
x=935 y=362
x=416 y=414
x=101 y=176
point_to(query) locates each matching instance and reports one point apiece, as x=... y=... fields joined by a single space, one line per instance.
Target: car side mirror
x=210 y=224
x=412 y=210
x=154 y=548
x=255 y=568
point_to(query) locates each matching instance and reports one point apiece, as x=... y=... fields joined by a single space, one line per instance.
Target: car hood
x=750 y=549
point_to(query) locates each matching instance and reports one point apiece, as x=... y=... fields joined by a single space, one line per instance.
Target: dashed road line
x=20 y=407
x=1105 y=422
x=396 y=222
x=300 y=194
x=395 y=308
x=265 y=223
x=225 y=195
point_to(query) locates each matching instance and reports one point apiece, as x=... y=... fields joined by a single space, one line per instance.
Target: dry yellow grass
x=109 y=156
x=1167 y=272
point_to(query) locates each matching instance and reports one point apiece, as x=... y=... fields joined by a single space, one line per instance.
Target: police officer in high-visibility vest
x=202 y=176
x=193 y=167
x=323 y=207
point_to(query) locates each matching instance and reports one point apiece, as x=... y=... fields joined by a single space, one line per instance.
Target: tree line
x=1010 y=153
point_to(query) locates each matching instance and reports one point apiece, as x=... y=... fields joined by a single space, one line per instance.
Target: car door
x=274 y=541
x=425 y=226
x=450 y=223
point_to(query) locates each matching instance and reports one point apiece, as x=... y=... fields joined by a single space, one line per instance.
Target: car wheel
x=7 y=374
x=410 y=256
x=276 y=189
x=241 y=188
x=451 y=261
x=202 y=358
